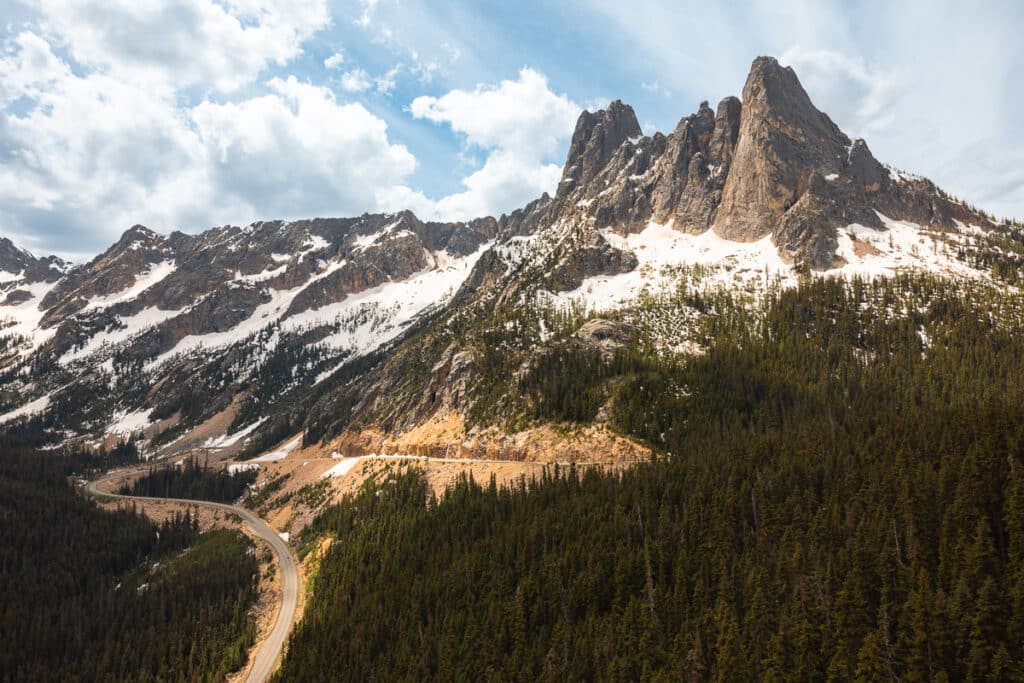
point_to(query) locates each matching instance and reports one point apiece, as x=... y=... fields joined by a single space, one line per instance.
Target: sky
x=188 y=114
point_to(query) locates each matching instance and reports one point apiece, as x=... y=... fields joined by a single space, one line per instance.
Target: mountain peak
x=782 y=138
x=596 y=138
x=18 y=261
x=138 y=233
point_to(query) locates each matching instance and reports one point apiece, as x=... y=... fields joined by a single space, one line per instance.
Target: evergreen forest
x=97 y=595
x=836 y=492
x=192 y=480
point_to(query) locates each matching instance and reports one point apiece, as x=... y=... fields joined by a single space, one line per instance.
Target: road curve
x=266 y=656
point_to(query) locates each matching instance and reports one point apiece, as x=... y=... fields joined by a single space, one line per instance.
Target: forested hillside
x=191 y=480
x=91 y=595
x=839 y=495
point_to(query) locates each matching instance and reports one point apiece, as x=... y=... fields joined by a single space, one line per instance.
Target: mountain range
x=386 y=333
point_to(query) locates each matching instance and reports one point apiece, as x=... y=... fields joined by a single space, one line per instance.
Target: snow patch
x=23 y=319
x=281 y=453
x=659 y=248
x=226 y=440
x=263 y=276
x=31 y=408
x=127 y=423
x=375 y=316
x=131 y=326
x=900 y=246
x=263 y=316
x=145 y=280
x=342 y=468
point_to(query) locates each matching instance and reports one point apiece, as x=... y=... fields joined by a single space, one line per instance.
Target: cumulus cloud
x=88 y=146
x=89 y=142
x=94 y=154
x=355 y=80
x=183 y=42
x=298 y=152
x=521 y=124
x=366 y=16
x=335 y=60
x=29 y=68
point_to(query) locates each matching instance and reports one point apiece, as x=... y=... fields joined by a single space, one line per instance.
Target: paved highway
x=269 y=650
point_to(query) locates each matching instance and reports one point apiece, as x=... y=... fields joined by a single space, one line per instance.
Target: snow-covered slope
x=155 y=320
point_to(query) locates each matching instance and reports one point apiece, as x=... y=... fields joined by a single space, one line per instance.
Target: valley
x=736 y=402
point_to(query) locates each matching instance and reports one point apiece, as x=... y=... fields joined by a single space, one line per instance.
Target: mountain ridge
x=328 y=326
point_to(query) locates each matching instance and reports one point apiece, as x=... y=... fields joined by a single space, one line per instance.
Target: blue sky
x=184 y=114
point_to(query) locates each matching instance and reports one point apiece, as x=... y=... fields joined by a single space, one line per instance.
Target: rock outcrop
x=26 y=267
x=771 y=165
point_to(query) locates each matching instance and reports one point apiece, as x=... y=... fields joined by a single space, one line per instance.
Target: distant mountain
x=385 y=331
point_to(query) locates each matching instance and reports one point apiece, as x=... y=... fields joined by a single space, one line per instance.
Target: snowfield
x=23 y=319
x=753 y=266
x=145 y=280
x=902 y=245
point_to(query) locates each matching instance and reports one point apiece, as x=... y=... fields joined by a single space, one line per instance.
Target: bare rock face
x=112 y=271
x=796 y=176
x=594 y=257
x=606 y=336
x=727 y=131
x=782 y=139
x=30 y=268
x=597 y=137
x=677 y=178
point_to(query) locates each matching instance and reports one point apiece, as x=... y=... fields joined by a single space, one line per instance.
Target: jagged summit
x=595 y=140
x=783 y=138
x=769 y=165
x=20 y=264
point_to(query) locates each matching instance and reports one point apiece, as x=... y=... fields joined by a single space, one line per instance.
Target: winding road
x=267 y=654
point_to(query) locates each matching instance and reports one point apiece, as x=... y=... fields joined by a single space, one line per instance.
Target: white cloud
x=656 y=88
x=85 y=155
x=29 y=69
x=87 y=152
x=386 y=83
x=355 y=80
x=335 y=60
x=453 y=52
x=96 y=154
x=183 y=42
x=299 y=152
x=366 y=16
x=521 y=123
x=523 y=114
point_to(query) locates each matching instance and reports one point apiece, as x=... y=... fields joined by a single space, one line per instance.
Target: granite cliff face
x=771 y=165
x=316 y=325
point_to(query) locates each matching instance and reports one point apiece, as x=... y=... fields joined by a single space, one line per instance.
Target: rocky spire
x=782 y=139
x=727 y=130
x=597 y=137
